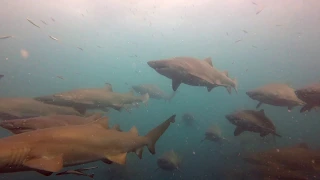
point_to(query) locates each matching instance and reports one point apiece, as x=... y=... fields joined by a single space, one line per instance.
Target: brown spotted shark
x=51 y=149
x=15 y=108
x=193 y=72
x=93 y=98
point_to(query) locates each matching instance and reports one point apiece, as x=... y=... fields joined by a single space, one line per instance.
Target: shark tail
x=235 y=81
x=157 y=132
x=145 y=98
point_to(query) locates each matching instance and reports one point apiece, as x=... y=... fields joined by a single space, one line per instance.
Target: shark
x=213 y=133
x=253 y=121
x=153 y=90
x=276 y=94
x=93 y=98
x=309 y=94
x=295 y=161
x=169 y=161
x=16 y=107
x=17 y=126
x=193 y=72
x=49 y=150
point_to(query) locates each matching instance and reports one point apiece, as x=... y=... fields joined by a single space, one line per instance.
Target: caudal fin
x=235 y=85
x=145 y=98
x=157 y=132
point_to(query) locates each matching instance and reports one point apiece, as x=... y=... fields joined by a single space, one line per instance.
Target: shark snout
x=7 y=125
x=249 y=93
x=157 y=64
x=44 y=99
x=229 y=117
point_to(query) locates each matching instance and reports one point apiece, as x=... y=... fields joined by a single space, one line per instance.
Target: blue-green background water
x=130 y=33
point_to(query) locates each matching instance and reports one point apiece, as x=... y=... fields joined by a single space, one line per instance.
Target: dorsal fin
x=103 y=122
x=131 y=92
x=208 y=60
x=108 y=87
x=225 y=73
x=134 y=131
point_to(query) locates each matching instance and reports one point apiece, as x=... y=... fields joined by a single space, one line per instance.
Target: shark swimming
x=49 y=150
x=193 y=72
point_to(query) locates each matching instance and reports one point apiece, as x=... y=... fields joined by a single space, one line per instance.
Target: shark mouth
x=156 y=65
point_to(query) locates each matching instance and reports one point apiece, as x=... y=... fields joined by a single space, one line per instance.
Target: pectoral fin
x=54 y=164
x=258 y=105
x=175 y=84
x=119 y=158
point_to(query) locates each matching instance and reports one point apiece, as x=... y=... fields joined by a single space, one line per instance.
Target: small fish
x=53 y=38
x=80 y=48
x=33 y=23
x=259 y=12
x=238 y=40
x=82 y=15
x=5 y=37
x=244 y=31
x=53 y=20
x=75 y=173
x=227 y=34
x=254 y=3
x=86 y=169
x=278 y=25
x=60 y=77
x=43 y=22
x=254 y=46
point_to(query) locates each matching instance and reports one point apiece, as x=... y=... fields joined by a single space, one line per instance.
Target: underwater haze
x=78 y=44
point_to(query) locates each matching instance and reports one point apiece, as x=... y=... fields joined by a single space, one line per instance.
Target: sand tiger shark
x=17 y=126
x=253 y=121
x=276 y=94
x=309 y=94
x=93 y=98
x=193 y=72
x=15 y=108
x=49 y=150
x=294 y=162
x=169 y=161
x=153 y=90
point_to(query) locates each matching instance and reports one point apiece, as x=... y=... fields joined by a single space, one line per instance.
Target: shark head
x=17 y=126
x=45 y=99
x=232 y=118
x=254 y=95
x=164 y=67
x=137 y=88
